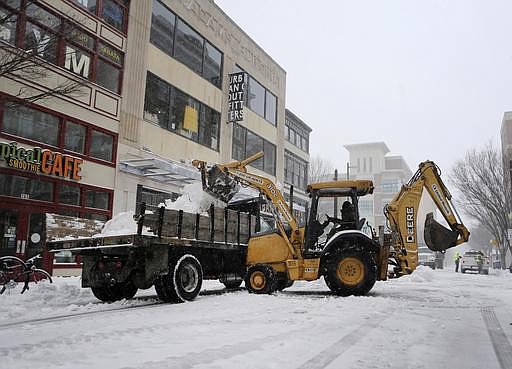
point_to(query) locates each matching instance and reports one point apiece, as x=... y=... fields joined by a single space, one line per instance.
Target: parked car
x=476 y=261
x=427 y=259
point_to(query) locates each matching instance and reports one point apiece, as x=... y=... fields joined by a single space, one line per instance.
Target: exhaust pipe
x=437 y=237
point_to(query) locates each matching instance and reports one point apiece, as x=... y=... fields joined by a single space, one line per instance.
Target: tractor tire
x=283 y=283
x=183 y=283
x=261 y=279
x=116 y=292
x=351 y=272
x=232 y=284
x=462 y=270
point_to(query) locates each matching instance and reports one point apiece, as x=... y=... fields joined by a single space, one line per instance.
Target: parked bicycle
x=14 y=271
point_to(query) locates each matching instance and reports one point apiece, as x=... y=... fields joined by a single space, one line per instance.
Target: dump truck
x=172 y=250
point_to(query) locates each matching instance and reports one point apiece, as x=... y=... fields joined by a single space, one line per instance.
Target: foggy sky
x=430 y=78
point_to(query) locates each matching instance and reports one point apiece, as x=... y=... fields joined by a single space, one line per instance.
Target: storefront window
x=113 y=14
x=107 y=76
x=69 y=195
x=64 y=257
x=212 y=64
x=270 y=107
x=8 y=26
x=180 y=113
x=247 y=143
x=101 y=145
x=41 y=42
x=96 y=199
x=162 y=27
x=42 y=16
x=88 y=4
x=256 y=97
x=156 y=102
x=254 y=144
x=24 y=187
x=74 y=138
x=189 y=47
x=8 y=224
x=30 y=123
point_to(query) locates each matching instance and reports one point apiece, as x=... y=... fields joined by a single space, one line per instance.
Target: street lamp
x=348 y=169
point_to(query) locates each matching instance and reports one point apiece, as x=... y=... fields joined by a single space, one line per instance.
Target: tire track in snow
x=331 y=353
x=500 y=342
x=106 y=311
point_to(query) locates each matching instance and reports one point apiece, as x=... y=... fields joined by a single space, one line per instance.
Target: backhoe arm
x=221 y=181
x=402 y=213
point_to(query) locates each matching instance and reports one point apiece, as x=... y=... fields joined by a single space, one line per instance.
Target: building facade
x=296 y=163
x=175 y=105
x=59 y=154
x=152 y=85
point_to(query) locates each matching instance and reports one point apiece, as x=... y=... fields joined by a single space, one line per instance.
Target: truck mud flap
x=437 y=237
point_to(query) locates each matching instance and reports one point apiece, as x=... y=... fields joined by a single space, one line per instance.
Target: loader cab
x=321 y=226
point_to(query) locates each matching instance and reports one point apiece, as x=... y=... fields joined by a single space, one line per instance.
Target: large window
x=59 y=132
x=61 y=42
x=247 y=143
x=113 y=12
x=66 y=198
x=259 y=99
x=295 y=170
x=176 y=38
x=180 y=113
x=295 y=135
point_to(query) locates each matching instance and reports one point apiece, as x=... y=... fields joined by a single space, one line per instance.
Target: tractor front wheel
x=261 y=279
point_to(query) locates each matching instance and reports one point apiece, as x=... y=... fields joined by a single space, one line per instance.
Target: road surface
x=431 y=319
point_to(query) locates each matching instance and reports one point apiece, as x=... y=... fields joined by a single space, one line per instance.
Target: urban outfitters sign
x=39 y=160
x=236 y=97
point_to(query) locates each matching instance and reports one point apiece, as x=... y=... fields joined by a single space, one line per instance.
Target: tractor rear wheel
x=261 y=279
x=351 y=272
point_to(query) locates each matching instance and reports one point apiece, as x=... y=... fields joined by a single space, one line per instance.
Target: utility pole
x=335 y=198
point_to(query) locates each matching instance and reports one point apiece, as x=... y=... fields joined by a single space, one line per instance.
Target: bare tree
x=32 y=63
x=485 y=193
x=320 y=169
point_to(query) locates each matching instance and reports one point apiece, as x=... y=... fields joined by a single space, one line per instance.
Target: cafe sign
x=39 y=161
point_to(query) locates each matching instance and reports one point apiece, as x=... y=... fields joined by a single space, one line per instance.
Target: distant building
x=296 y=162
x=388 y=172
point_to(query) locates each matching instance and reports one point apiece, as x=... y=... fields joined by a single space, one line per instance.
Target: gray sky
x=431 y=78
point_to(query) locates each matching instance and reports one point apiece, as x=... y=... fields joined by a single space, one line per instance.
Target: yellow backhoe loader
x=349 y=260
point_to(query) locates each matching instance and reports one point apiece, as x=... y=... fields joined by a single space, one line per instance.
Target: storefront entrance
x=21 y=231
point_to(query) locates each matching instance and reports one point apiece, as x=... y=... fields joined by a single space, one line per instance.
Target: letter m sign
x=76 y=65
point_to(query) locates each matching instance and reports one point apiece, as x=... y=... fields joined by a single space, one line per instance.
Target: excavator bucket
x=219 y=184
x=437 y=237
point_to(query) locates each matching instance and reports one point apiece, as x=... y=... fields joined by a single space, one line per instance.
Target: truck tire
x=261 y=279
x=462 y=270
x=116 y=292
x=183 y=283
x=350 y=272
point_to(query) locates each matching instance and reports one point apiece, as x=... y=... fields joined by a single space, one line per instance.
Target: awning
x=159 y=169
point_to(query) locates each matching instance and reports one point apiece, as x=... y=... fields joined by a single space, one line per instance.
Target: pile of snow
x=120 y=224
x=194 y=200
x=420 y=275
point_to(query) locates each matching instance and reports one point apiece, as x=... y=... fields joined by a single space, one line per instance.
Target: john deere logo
x=39 y=160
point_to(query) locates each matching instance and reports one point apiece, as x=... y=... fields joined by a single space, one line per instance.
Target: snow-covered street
x=431 y=319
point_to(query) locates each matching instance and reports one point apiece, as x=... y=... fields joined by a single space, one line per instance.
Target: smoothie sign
x=39 y=160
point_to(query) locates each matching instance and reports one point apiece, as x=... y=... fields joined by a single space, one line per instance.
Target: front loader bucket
x=437 y=237
x=220 y=185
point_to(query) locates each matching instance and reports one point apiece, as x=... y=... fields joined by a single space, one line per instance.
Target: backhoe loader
x=349 y=260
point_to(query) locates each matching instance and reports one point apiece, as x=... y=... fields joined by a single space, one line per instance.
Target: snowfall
x=430 y=319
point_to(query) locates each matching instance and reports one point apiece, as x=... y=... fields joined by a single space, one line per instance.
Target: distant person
x=479 y=263
x=457 y=258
